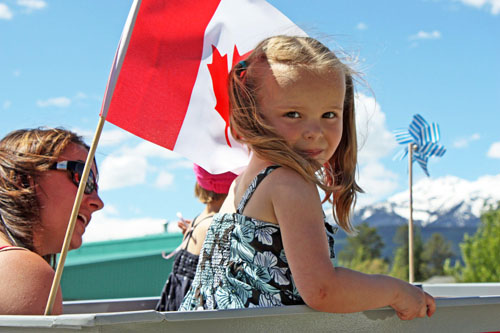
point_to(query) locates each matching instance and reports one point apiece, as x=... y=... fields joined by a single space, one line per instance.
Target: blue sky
x=438 y=58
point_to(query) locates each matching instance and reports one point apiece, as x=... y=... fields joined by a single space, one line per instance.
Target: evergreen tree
x=363 y=251
x=366 y=245
x=400 y=266
x=436 y=251
x=480 y=252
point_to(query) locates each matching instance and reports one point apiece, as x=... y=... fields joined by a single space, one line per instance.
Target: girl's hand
x=184 y=225
x=413 y=302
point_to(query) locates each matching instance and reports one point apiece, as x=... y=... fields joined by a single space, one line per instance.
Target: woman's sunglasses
x=75 y=171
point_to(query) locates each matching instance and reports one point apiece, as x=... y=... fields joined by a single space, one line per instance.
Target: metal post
x=411 y=277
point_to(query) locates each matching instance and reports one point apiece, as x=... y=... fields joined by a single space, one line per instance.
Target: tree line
x=480 y=253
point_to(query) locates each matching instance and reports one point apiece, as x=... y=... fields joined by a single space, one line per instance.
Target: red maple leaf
x=219 y=72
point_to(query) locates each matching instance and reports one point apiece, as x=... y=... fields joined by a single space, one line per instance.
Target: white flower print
x=264 y=234
x=279 y=275
x=269 y=260
x=266 y=259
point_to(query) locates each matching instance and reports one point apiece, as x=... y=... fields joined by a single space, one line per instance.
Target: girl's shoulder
x=289 y=189
x=26 y=281
x=288 y=179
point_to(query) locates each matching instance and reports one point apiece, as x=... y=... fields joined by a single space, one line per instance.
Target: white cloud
x=60 y=102
x=149 y=149
x=375 y=142
x=6 y=104
x=374 y=139
x=32 y=4
x=130 y=165
x=87 y=134
x=464 y=142
x=80 y=95
x=164 y=179
x=494 y=151
x=494 y=5
x=5 y=13
x=110 y=210
x=377 y=182
x=474 y=3
x=16 y=73
x=122 y=171
x=114 y=137
x=182 y=164
x=361 y=26
x=426 y=35
x=103 y=226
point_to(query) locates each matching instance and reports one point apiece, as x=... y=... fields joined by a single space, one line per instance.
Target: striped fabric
x=424 y=138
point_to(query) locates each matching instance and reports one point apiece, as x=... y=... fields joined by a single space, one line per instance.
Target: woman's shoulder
x=26 y=281
x=22 y=259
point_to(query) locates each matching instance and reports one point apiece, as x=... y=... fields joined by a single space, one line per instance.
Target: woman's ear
x=25 y=181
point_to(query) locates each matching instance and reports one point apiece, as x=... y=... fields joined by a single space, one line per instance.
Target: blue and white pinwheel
x=424 y=138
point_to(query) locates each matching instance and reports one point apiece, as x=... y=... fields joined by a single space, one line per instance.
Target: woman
x=40 y=170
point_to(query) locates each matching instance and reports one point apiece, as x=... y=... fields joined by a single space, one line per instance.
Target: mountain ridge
x=442 y=202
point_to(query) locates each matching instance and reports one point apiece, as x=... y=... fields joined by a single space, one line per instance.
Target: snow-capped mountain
x=442 y=202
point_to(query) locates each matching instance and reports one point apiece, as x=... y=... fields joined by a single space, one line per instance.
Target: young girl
x=292 y=104
x=211 y=190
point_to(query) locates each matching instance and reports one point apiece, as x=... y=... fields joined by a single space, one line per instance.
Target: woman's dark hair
x=25 y=154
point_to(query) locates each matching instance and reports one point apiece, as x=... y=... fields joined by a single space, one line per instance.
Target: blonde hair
x=337 y=176
x=206 y=196
x=25 y=155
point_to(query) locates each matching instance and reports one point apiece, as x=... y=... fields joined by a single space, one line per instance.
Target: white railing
x=473 y=311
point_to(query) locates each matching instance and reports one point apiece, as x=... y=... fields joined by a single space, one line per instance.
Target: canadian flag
x=168 y=82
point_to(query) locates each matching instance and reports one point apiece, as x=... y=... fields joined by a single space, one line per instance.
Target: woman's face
x=56 y=194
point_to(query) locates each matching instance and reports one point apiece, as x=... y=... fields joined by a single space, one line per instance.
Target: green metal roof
x=123 y=248
x=122 y=268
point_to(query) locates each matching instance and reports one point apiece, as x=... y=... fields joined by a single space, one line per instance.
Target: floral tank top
x=243 y=264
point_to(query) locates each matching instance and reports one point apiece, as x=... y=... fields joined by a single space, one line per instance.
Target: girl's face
x=305 y=108
x=56 y=195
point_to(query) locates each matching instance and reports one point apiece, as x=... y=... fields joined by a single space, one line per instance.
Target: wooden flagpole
x=73 y=217
x=410 y=220
x=113 y=77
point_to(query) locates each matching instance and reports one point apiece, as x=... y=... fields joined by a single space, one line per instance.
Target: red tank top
x=10 y=247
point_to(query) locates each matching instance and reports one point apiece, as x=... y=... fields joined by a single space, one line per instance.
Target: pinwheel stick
x=411 y=273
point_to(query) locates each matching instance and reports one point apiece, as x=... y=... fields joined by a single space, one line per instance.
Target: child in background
x=211 y=190
x=292 y=104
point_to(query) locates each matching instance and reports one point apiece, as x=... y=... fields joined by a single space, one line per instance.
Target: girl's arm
x=297 y=207
x=26 y=281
